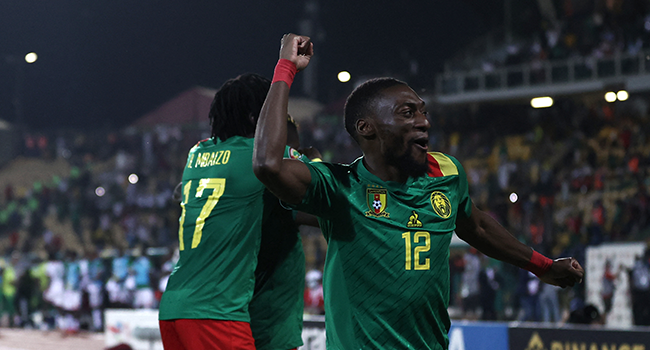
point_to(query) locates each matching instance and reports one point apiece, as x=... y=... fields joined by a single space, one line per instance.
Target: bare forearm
x=286 y=178
x=488 y=236
x=271 y=132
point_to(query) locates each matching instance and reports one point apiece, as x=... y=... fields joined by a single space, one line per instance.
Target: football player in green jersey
x=205 y=304
x=388 y=217
x=277 y=306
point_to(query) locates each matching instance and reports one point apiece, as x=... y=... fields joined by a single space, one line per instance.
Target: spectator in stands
x=528 y=291
x=490 y=282
x=95 y=290
x=550 y=304
x=69 y=323
x=640 y=289
x=607 y=287
x=314 y=303
x=8 y=288
x=144 y=295
x=27 y=287
x=470 y=287
x=588 y=314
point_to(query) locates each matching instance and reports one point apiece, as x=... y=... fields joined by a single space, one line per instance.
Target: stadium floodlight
x=541 y=102
x=622 y=95
x=344 y=76
x=31 y=57
x=513 y=197
x=610 y=96
x=133 y=179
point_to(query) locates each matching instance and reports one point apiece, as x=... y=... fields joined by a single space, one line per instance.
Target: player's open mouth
x=422 y=143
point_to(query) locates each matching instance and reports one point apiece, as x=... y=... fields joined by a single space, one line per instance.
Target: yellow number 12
x=217 y=186
x=418 y=249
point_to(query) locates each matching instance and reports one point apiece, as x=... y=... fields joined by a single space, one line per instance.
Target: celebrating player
x=388 y=217
x=277 y=306
x=205 y=304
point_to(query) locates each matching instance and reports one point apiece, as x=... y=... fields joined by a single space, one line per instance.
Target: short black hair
x=238 y=100
x=359 y=101
x=293 y=136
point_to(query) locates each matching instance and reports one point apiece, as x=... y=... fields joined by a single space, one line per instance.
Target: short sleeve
x=320 y=198
x=292 y=153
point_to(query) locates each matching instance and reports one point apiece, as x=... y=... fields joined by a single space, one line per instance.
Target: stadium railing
x=574 y=75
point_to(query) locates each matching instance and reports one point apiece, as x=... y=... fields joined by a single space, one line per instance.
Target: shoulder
x=441 y=164
x=234 y=141
x=335 y=168
x=332 y=172
x=293 y=153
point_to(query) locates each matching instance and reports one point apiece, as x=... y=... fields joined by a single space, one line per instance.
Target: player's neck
x=384 y=171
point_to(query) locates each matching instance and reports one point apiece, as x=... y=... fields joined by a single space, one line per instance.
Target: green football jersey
x=386 y=277
x=219 y=234
x=277 y=305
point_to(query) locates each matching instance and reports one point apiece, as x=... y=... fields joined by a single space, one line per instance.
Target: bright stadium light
x=31 y=57
x=344 y=76
x=541 y=102
x=100 y=191
x=622 y=95
x=513 y=197
x=610 y=96
x=133 y=179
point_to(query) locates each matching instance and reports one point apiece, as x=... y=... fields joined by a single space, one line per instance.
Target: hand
x=565 y=272
x=298 y=49
x=310 y=152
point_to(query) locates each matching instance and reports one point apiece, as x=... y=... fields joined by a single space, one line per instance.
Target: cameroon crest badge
x=377 y=201
x=440 y=204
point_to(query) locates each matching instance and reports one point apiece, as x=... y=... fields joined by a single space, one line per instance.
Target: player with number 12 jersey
x=387 y=266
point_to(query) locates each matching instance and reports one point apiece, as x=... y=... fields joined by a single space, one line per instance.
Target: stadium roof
x=189 y=107
x=192 y=107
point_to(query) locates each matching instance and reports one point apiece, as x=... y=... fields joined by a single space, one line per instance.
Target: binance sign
x=582 y=338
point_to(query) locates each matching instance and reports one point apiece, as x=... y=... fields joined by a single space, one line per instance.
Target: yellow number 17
x=418 y=249
x=217 y=186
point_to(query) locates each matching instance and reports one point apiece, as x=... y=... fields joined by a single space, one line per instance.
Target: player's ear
x=365 y=128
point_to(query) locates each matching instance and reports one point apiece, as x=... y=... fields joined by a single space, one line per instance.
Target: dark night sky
x=105 y=63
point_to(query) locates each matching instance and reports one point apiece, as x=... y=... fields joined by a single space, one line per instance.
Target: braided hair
x=236 y=106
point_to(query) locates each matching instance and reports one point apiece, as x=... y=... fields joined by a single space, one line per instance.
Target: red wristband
x=285 y=70
x=539 y=264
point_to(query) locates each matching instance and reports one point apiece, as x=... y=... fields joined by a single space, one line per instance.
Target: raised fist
x=298 y=49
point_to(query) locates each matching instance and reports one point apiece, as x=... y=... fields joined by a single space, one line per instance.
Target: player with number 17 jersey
x=219 y=234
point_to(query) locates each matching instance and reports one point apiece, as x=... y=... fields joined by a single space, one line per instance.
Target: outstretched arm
x=485 y=234
x=288 y=179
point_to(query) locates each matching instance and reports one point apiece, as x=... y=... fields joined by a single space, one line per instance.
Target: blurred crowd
x=560 y=179
x=555 y=30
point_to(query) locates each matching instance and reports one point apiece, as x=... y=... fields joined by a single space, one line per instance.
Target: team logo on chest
x=440 y=204
x=377 y=199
